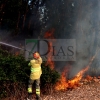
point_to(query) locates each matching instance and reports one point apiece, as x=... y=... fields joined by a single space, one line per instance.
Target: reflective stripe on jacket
x=36 y=70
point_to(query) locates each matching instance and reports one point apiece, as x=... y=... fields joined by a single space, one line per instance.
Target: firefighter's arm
x=39 y=61
x=31 y=62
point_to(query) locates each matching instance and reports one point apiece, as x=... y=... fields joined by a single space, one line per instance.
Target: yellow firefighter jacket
x=36 y=70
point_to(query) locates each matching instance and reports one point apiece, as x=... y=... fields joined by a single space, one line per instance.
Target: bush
x=15 y=69
x=49 y=75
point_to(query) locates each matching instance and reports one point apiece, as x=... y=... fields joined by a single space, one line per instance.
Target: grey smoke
x=79 y=20
x=71 y=19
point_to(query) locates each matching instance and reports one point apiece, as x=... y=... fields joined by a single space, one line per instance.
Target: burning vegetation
x=64 y=83
x=85 y=18
x=50 y=35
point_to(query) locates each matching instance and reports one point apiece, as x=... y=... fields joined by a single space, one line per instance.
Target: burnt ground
x=88 y=90
x=84 y=92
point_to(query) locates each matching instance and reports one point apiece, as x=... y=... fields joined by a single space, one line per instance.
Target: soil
x=87 y=90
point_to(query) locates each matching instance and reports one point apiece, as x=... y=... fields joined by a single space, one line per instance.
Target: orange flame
x=75 y=81
x=50 y=35
x=49 y=59
x=89 y=78
x=63 y=84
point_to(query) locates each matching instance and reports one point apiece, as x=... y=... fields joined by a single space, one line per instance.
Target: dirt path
x=84 y=92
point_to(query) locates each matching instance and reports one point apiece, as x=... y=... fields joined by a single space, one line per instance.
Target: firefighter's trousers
x=37 y=86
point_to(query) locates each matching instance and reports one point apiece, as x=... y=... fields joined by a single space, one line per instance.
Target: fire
x=75 y=81
x=50 y=35
x=89 y=78
x=49 y=59
x=63 y=84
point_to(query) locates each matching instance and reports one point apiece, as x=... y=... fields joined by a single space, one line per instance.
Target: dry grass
x=89 y=89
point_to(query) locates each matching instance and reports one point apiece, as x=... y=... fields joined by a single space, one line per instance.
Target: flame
x=50 y=35
x=75 y=81
x=49 y=59
x=63 y=84
x=89 y=78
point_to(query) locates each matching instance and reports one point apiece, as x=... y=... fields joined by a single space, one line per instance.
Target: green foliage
x=16 y=69
x=48 y=75
x=13 y=68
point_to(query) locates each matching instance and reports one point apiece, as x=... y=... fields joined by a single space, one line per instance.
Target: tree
x=12 y=13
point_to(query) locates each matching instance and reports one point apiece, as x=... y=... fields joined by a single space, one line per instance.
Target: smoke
x=78 y=20
x=86 y=33
x=6 y=37
x=71 y=19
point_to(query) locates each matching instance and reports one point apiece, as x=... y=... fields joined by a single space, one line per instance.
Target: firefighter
x=35 y=74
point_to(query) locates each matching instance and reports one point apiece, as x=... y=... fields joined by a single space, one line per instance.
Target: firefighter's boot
x=38 y=97
x=29 y=96
x=38 y=94
x=29 y=93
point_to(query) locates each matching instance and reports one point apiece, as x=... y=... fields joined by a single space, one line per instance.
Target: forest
x=50 y=19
